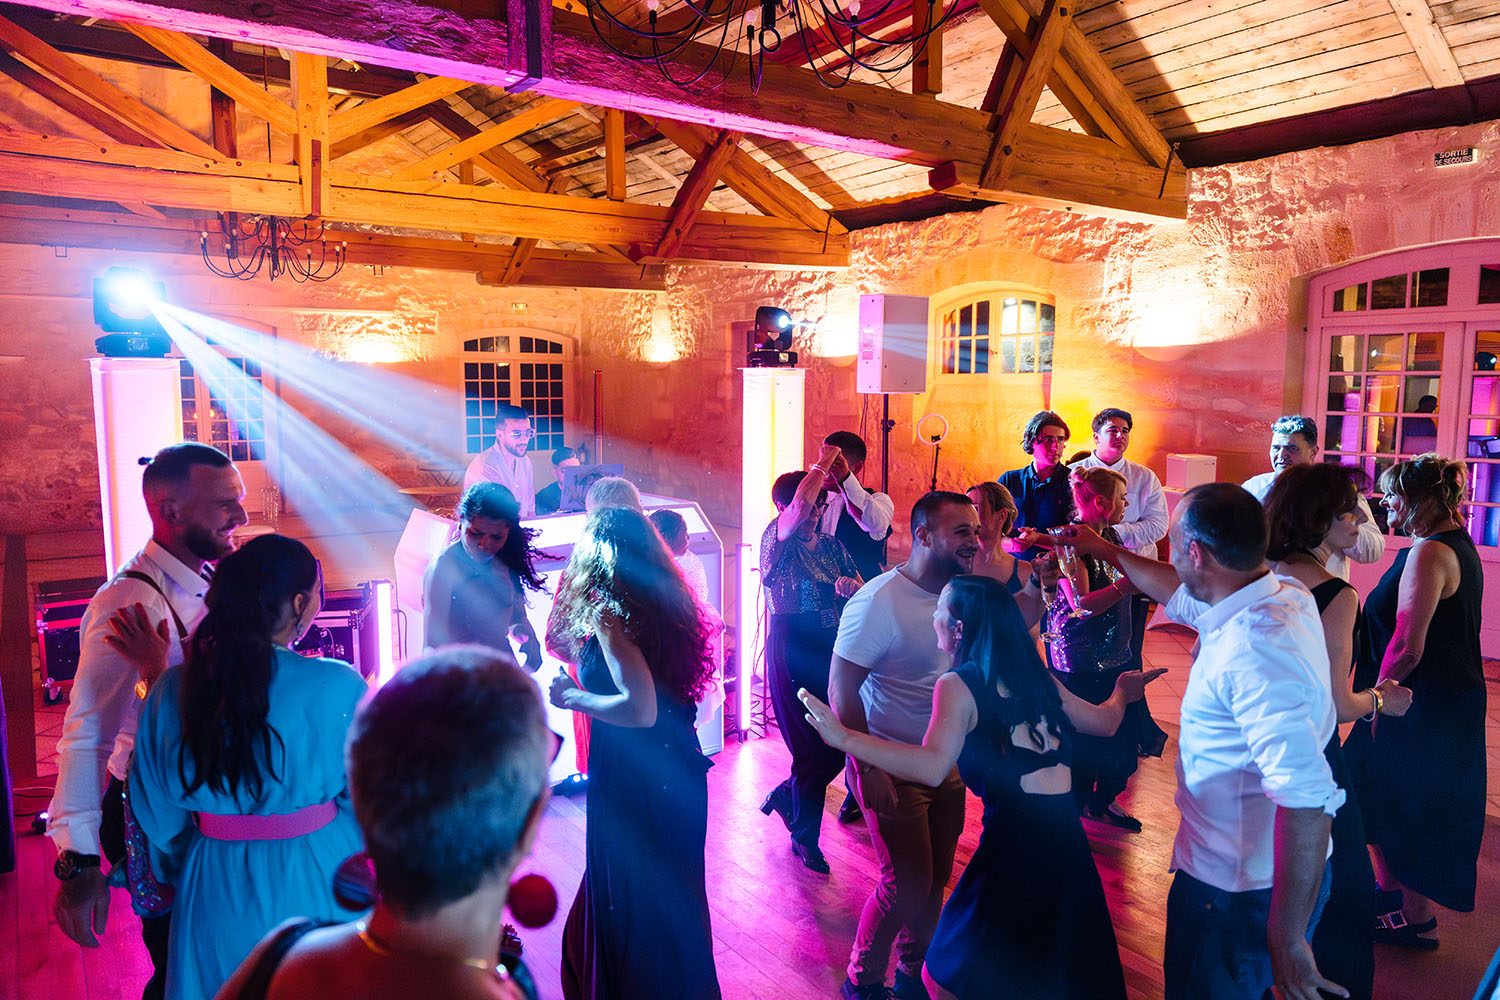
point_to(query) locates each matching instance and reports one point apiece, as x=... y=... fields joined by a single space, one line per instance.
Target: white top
x=887 y=629
x=1369 y=548
x=99 y=728
x=1256 y=715
x=1146 y=519
x=696 y=576
x=496 y=465
x=871 y=511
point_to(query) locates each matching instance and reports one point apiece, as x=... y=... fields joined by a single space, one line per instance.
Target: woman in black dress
x=807 y=577
x=1421 y=778
x=1027 y=918
x=640 y=924
x=1314 y=510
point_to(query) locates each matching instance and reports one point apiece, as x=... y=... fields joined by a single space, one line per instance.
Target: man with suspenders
x=195 y=499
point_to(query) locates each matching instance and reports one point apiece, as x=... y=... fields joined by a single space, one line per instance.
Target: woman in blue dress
x=238 y=779
x=1027 y=918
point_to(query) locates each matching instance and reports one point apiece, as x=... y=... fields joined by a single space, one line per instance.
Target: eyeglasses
x=1052 y=439
x=521 y=435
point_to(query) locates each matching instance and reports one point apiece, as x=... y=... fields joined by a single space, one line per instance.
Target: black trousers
x=1102 y=765
x=154 y=930
x=799 y=649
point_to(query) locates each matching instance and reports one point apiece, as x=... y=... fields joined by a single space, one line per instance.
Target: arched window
x=995 y=331
x=1402 y=359
x=529 y=369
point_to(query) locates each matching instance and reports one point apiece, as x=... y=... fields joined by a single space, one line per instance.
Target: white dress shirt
x=496 y=465
x=99 y=728
x=871 y=511
x=1146 y=519
x=1369 y=548
x=1256 y=716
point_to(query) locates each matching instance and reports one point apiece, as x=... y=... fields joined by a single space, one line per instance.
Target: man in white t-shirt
x=886 y=662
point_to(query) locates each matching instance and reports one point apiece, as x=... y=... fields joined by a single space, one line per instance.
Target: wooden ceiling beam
x=614 y=154
x=375 y=133
x=74 y=105
x=692 y=195
x=373 y=114
x=482 y=141
x=1019 y=103
x=187 y=53
x=927 y=67
x=1432 y=49
x=106 y=96
x=311 y=146
x=223 y=117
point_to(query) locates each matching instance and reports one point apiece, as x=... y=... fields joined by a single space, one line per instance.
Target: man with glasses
x=505 y=461
x=1044 y=498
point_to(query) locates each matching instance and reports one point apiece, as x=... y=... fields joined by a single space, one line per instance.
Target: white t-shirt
x=887 y=629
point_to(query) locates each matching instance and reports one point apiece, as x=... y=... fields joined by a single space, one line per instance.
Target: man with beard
x=886 y=662
x=195 y=499
x=505 y=461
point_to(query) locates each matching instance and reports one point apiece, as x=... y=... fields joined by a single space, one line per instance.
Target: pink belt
x=283 y=826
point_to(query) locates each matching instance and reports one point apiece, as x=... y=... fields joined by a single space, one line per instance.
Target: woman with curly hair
x=1421 y=777
x=639 y=926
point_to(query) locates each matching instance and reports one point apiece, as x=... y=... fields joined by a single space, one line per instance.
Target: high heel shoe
x=778 y=802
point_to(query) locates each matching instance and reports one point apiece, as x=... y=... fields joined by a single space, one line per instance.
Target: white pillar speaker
x=137 y=412
x=773 y=428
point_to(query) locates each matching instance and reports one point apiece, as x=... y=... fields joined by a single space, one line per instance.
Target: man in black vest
x=861 y=520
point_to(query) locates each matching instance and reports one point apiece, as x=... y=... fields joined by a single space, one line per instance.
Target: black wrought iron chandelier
x=294 y=247
x=836 y=37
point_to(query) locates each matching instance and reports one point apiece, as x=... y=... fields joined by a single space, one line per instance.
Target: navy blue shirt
x=1042 y=503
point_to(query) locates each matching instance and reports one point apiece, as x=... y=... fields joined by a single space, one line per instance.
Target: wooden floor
x=780 y=931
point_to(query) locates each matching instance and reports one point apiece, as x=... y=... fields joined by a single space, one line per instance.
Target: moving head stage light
x=123 y=308
x=768 y=344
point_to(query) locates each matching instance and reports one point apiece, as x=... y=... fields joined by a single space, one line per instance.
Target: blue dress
x=230 y=894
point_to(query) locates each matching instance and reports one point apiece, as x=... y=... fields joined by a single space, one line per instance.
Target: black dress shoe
x=850 y=812
x=779 y=802
x=811 y=856
x=1122 y=820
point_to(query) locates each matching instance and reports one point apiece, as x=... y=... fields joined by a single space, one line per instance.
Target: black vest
x=868 y=553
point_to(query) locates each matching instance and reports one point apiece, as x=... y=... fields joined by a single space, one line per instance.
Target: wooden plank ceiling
x=121 y=133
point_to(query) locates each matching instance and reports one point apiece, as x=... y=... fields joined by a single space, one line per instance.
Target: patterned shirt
x=798 y=579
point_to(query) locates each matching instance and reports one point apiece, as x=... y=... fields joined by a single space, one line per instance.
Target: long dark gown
x=1027 y=918
x=1342 y=943
x=639 y=926
x=1421 y=776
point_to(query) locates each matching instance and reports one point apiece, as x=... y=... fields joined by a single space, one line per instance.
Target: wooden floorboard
x=780 y=931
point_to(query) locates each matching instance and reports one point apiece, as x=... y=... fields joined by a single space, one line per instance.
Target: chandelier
x=294 y=247
x=836 y=38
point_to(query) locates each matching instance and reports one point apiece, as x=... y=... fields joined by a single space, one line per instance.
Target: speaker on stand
x=892 y=358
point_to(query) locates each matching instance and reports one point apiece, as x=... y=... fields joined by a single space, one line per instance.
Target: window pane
x=1484 y=525
x=1049 y=318
x=982 y=319
x=1424 y=352
x=1010 y=311
x=1484 y=438
x=1388 y=293
x=1421 y=394
x=965 y=357
x=1484 y=482
x=1344 y=354
x=525 y=345
x=1380 y=434
x=1343 y=393
x=950 y=348
x=1026 y=354
x=1008 y=354
x=1486 y=398
x=1342 y=434
x=1486 y=350
x=1381 y=392
x=966 y=322
x=1044 y=353
x=1351 y=299
x=1385 y=353
x=471 y=345
x=981 y=355
x=1489 y=283
x=1430 y=288
x=1028 y=316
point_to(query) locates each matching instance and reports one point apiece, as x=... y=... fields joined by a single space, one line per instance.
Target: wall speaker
x=892 y=344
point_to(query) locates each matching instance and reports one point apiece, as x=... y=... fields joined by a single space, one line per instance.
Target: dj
x=505 y=461
x=549 y=497
x=474 y=591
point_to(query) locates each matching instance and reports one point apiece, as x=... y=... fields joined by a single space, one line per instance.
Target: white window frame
x=546 y=440
x=954 y=300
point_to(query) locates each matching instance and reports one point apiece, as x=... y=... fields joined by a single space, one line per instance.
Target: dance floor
x=780 y=930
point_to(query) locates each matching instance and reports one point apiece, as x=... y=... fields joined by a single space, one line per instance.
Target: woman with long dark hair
x=238 y=780
x=639 y=926
x=1312 y=510
x=1028 y=911
x=475 y=590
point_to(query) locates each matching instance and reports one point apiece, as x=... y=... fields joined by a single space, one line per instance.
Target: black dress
x=1027 y=918
x=1342 y=944
x=1421 y=776
x=639 y=926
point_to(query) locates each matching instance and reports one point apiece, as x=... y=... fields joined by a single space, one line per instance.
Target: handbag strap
x=258 y=985
x=135 y=574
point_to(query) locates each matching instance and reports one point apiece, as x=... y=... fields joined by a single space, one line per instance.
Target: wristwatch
x=71 y=864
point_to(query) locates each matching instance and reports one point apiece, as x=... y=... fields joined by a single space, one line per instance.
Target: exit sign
x=1455 y=157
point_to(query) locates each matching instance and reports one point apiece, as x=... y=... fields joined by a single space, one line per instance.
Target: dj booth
x=427 y=534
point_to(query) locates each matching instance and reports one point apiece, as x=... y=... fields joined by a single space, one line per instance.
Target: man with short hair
x=1044 y=498
x=549 y=497
x=886 y=662
x=859 y=518
x=1254 y=790
x=195 y=498
x=505 y=461
x=1294 y=441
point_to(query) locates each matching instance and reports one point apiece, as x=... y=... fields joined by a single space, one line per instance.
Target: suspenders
x=135 y=574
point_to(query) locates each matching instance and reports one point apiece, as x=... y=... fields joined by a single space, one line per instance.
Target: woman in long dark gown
x=639 y=926
x=1421 y=778
x=1313 y=510
x=1027 y=918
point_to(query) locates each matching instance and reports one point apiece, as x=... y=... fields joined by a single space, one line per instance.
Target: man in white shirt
x=1294 y=441
x=1253 y=787
x=886 y=662
x=505 y=461
x=859 y=518
x=195 y=499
